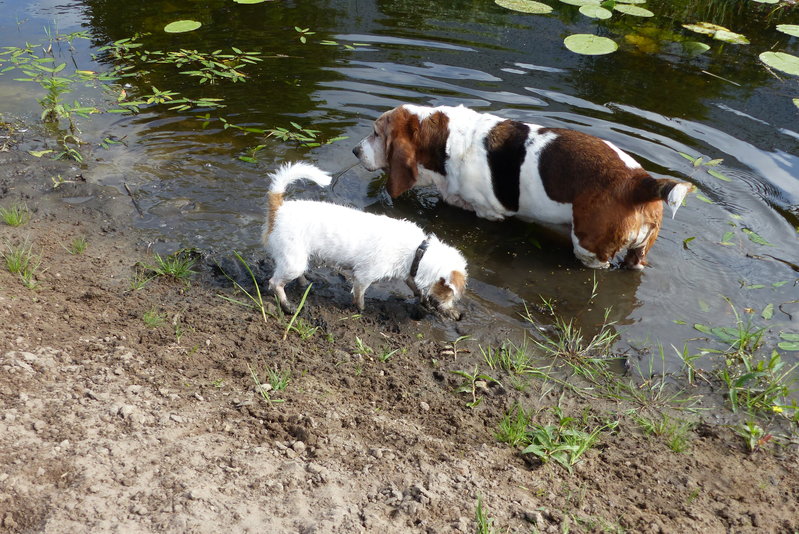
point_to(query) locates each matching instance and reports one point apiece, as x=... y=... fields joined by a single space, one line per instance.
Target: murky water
x=650 y=98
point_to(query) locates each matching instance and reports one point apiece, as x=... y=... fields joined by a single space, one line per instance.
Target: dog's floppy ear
x=402 y=170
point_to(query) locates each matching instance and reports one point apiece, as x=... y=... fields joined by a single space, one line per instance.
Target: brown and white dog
x=500 y=168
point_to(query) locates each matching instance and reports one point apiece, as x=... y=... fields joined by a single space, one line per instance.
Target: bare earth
x=110 y=425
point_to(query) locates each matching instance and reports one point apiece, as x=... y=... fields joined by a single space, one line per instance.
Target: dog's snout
x=357 y=151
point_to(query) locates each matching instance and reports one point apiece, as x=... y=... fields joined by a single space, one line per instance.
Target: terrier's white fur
x=375 y=247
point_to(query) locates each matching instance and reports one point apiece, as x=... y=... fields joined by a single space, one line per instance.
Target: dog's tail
x=672 y=192
x=281 y=178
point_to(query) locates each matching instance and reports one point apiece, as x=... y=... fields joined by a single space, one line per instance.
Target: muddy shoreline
x=130 y=409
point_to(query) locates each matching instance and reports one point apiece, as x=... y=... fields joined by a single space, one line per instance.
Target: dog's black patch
x=506 y=147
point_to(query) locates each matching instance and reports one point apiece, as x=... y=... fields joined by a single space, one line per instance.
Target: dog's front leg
x=358 y=290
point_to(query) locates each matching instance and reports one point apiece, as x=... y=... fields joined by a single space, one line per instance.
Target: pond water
x=731 y=249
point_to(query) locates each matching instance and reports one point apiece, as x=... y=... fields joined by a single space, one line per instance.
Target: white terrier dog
x=375 y=247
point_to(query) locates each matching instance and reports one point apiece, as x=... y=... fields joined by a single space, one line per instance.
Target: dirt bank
x=131 y=409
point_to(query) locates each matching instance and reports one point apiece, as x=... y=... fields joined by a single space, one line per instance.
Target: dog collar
x=420 y=250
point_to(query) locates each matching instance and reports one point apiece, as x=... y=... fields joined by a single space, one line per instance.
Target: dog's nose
x=357 y=151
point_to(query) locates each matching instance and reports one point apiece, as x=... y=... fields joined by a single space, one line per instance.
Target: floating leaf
x=582 y=2
x=705 y=28
x=789 y=345
x=755 y=238
x=717 y=174
x=694 y=48
x=525 y=6
x=730 y=37
x=634 y=11
x=767 y=1
x=595 y=12
x=796 y=102
x=790 y=29
x=686 y=156
x=781 y=61
x=38 y=153
x=726 y=239
x=704 y=306
x=698 y=161
x=714 y=162
x=779 y=284
x=590 y=45
x=717 y=32
x=181 y=26
x=768 y=312
x=678 y=321
x=755 y=286
x=789 y=337
x=687 y=240
x=249 y=1
x=703 y=198
x=631 y=1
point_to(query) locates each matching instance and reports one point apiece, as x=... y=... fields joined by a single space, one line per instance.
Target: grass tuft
x=16 y=215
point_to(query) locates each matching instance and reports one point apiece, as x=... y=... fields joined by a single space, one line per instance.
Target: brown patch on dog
x=610 y=201
x=506 y=147
x=409 y=143
x=274 y=200
x=458 y=281
x=441 y=291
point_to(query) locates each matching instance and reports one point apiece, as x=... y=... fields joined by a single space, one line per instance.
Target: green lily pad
x=590 y=45
x=781 y=61
x=705 y=28
x=181 y=26
x=694 y=48
x=595 y=12
x=768 y=312
x=789 y=337
x=789 y=345
x=634 y=11
x=790 y=29
x=730 y=37
x=525 y=6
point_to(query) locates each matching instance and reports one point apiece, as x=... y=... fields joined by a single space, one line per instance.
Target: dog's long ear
x=402 y=172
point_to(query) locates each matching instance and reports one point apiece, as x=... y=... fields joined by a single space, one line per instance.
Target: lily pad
x=634 y=11
x=589 y=44
x=781 y=61
x=790 y=29
x=789 y=345
x=595 y=12
x=694 y=48
x=705 y=28
x=730 y=37
x=181 y=26
x=789 y=337
x=717 y=32
x=525 y=6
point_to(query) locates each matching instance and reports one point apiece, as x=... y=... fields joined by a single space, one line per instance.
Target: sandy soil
x=110 y=425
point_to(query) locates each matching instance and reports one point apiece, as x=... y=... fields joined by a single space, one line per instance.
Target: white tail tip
x=289 y=172
x=676 y=196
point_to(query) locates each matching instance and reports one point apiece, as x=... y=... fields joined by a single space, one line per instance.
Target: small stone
x=424 y=406
x=176 y=418
x=39 y=425
x=298 y=446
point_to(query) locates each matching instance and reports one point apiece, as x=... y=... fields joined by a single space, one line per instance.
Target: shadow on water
x=734 y=239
